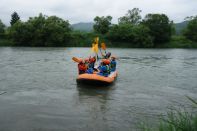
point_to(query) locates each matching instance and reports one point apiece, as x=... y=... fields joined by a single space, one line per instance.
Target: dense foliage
x=191 y=30
x=102 y=24
x=154 y=30
x=2 y=28
x=14 y=18
x=160 y=27
x=137 y=36
x=41 y=31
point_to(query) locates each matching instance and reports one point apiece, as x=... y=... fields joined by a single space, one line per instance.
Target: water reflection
x=96 y=102
x=100 y=93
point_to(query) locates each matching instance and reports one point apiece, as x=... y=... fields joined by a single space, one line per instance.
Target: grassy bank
x=80 y=39
x=176 y=42
x=179 y=42
x=177 y=120
x=5 y=42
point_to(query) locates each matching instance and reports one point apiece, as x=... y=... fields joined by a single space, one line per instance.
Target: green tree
x=57 y=31
x=14 y=18
x=160 y=27
x=20 y=34
x=137 y=36
x=41 y=31
x=132 y=17
x=2 y=28
x=191 y=29
x=102 y=24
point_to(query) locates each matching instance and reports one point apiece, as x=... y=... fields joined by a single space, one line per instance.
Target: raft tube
x=97 y=79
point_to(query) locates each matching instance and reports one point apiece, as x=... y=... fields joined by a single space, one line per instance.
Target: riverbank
x=176 y=42
x=176 y=119
x=5 y=42
x=179 y=42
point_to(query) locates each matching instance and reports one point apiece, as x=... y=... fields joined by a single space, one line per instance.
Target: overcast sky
x=85 y=10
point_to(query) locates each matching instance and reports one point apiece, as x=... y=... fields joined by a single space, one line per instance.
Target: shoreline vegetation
x=176 y=119
x=132 y=31
x=175 y=42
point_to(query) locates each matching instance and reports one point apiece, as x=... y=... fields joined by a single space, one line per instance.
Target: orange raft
x=97 y=79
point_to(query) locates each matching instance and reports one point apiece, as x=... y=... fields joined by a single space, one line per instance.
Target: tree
x=102 y=24
x=2 y=28
x=57 y=31
x=137 y=36
x=132 y=17
x=20 y=34
x=160 y=27
x=41 y=31
x=14 y=18
x=191 y=29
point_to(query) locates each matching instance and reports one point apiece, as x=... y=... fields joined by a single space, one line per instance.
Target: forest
x=152 y=31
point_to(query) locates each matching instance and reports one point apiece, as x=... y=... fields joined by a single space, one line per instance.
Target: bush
x=191 y=31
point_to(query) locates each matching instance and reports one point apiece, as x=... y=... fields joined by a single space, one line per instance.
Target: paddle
x=101 y=52
x=76 y=59
x=95 y=46
x=103 y=46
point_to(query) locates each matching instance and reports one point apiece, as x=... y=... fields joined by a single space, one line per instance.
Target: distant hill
x=87 y=27
x=180 y=26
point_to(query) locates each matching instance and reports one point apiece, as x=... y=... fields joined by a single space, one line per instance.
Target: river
x=38 y=89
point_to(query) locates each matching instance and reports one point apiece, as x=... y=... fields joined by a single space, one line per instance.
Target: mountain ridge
x=83 y=26
x=88 y=26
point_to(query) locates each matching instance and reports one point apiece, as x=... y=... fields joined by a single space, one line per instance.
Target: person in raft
x=82 y=67
x=104 y=68
x=107 y=55
x=89 y=70
x=113 y=63
x=86 y=61
x=92 y=62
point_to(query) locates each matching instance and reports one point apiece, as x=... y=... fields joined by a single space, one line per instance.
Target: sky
x=86 y=10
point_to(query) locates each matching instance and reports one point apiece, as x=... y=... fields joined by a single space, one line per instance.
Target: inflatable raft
x=97 y=79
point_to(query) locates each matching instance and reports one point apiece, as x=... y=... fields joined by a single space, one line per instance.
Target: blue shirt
x=113 y=65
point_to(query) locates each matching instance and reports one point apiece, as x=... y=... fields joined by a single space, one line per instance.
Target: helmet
x=106 y=61
x=93 y=59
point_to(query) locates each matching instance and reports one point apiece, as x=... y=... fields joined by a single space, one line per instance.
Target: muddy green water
x=38 y=89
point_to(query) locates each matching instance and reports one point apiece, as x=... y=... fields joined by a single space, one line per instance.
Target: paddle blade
x=95 y=45
x=76 y=59
x=96 y=40
x=96 y=48
x=103 y=46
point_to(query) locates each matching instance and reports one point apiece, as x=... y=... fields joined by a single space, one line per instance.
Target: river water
x=38 y=89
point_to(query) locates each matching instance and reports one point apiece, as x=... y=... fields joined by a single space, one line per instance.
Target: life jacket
x=113 y=65
x=104 y=70
x=108 y=69
x=92 y=62
x=90 y=71
x=82 y=68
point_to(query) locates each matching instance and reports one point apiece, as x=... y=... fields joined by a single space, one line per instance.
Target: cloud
x=85 y=10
